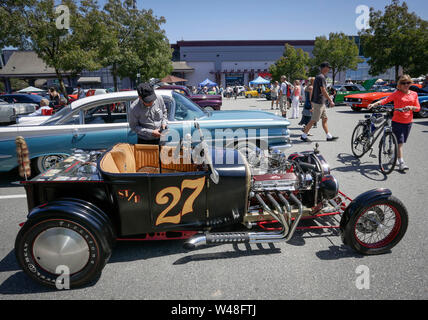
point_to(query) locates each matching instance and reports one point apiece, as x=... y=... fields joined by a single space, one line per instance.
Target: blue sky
x=262 y=20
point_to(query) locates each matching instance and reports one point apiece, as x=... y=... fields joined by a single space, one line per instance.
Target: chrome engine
x=287 y=189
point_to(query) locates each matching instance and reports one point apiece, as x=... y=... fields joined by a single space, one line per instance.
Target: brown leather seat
x=141 y=158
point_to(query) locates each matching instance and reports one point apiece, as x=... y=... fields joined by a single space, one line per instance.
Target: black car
x=22 y=98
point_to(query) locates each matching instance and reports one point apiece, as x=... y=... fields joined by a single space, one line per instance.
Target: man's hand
x=156 y=133
x=332 y=104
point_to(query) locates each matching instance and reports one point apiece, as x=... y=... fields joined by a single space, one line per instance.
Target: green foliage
x=136 y=44
x=64 y=49
x=292 y=64
x=396 y=38
x=129 y=40
x=339 y=50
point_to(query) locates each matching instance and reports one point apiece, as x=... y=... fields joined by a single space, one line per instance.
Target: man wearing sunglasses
x=402 y=121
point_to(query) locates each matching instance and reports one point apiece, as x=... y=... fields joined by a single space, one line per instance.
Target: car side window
x=170 y=107
x=107 y=113
x=8 y=99
x=72 y=119
x=101 y=114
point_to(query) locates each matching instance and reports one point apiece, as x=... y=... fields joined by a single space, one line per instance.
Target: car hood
x=239 y=118
x=369 y=95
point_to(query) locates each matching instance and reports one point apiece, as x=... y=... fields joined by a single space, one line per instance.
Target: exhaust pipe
x=285 y=234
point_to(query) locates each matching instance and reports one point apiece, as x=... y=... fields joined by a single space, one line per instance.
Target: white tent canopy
x=31 y=89
x=260 y=80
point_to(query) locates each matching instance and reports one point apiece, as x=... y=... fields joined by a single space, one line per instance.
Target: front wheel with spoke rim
x=360 y=141
x=388 y=149
x=377 y=227
x=44 y=163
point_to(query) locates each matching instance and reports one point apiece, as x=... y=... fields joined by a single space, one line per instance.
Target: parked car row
x=100 y=121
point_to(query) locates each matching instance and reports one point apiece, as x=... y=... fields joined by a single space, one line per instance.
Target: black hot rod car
x=80 y=208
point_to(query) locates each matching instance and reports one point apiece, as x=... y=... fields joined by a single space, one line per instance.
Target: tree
x=339 y=50
x=11 y=20
x=396 y=38
x=62 y=39
x=292 y=64
x=136 y=43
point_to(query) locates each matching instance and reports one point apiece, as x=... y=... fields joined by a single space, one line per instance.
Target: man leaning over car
x=148 y=115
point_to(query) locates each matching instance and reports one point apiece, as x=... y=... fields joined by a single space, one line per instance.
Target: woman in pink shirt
x=402 y=121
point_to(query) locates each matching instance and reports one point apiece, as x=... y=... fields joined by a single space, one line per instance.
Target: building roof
x=221 y=43
x=26 y=64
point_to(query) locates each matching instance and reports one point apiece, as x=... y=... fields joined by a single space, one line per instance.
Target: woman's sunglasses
x=405 y=83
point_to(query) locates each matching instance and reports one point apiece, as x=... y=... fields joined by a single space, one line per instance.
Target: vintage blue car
x=100 y=121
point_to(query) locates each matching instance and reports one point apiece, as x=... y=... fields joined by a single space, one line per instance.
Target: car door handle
x=75 y=133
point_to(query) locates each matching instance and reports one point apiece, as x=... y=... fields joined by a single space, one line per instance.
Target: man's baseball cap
x=146 y=92
x=325 y=64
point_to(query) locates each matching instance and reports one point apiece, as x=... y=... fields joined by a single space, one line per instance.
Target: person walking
x=307 y=107
x=318 y=101
x=274 y=94
x=148 y=115
x=295 y=100
x=401 y=121
x=282 y=96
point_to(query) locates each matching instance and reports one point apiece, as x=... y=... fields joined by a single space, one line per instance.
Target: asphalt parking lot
x=314 y=265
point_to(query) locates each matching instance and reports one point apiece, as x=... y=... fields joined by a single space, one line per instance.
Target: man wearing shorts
x=283 y=96
x=319 y=98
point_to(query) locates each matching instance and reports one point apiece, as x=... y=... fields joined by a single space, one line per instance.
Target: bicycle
x=368 y=131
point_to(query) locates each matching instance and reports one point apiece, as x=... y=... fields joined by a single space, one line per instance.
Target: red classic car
x=205 y=101
x=362 y=100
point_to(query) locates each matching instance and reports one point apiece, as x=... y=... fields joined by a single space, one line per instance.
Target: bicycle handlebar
x=390 y=108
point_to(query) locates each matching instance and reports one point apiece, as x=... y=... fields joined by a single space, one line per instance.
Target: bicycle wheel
x=388 y=148
x=360 y=141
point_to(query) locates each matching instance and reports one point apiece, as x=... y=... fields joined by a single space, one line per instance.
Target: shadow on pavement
x=367 y=169
x=21 y=283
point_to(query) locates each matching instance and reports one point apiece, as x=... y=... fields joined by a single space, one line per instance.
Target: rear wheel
x=388 y=149
x=360 y=140
x=377 y=227
x=248 y=96
x=209 y=108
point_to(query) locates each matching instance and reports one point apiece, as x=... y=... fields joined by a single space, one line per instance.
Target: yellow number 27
x=162 y=198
